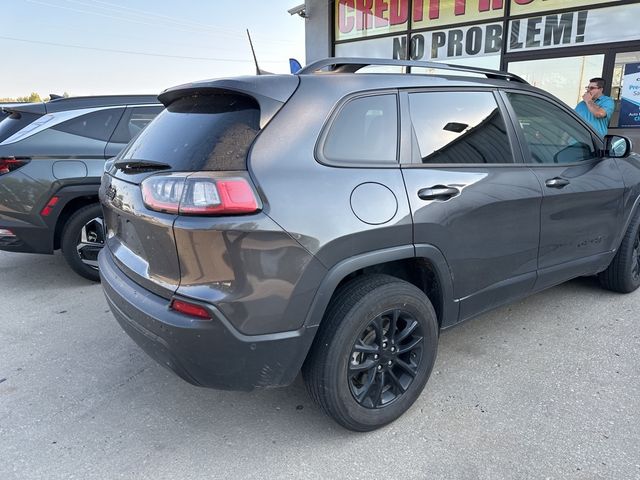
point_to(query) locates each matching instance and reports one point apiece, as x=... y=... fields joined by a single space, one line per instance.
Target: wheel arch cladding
x=67 y=211
x=427 y=270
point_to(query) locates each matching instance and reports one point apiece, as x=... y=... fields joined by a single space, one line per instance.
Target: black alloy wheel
x=623 y=273
x=373 y=353
x=385 y=358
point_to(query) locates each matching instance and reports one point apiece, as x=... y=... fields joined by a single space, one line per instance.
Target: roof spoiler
x=37 y=108
x=270 y=91
x=352 y=65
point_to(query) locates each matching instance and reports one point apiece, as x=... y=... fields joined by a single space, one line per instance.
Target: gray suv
x=52 y=156
x=335 y=222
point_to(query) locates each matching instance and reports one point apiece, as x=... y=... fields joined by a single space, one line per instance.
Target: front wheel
x=623 y=273
x=82 y=239
x=374 y=352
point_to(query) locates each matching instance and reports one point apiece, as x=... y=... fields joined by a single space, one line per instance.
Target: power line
x=146 y=14
x=182 y=22
x=177 y=24
x=88 y=12
x=125 y=19
x=128 y=52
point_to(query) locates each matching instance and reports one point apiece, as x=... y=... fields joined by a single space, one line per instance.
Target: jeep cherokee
x=336 y=220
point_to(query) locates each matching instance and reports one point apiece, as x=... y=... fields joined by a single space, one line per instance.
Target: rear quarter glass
x=199 y=132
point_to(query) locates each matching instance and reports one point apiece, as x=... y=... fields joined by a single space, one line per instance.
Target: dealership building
x=557 y=45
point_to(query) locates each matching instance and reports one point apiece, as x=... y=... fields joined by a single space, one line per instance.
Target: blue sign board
x=630 y=97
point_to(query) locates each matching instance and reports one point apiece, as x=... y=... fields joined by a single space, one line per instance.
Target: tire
x=360 y=389
x=623 y=273
x=82 y=239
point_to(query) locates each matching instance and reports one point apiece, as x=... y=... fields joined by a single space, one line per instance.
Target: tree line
x=34 y=97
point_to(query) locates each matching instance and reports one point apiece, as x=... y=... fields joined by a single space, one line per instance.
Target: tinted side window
x=459 y=127
x=553 y=136
x=132 y=123
x=365 y=130
x=97 y=125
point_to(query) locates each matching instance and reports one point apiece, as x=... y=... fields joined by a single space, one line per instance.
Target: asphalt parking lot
x=547 y=388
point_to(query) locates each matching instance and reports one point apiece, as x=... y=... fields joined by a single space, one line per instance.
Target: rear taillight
x=9 y=164
x=201 y=193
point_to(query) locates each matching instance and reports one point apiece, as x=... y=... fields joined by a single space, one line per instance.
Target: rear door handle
x=557 y=182
x=438 y=192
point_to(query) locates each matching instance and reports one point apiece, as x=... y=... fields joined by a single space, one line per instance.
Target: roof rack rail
x=353 y=64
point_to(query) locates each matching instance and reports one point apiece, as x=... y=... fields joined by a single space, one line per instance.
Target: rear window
x=15 y=122
x=200 y=132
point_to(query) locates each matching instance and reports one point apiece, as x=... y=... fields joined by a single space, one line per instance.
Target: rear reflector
x=190 y=309
x=9 y=164
x=46 y=211
x=201 y=193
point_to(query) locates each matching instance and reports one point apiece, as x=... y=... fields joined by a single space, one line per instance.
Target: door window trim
x=406 y=152
x=526 y=153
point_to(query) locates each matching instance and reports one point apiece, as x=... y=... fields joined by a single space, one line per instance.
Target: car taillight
x=9 y=164
x=201 y=193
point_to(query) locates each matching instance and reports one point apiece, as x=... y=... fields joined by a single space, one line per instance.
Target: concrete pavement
x=547 y=388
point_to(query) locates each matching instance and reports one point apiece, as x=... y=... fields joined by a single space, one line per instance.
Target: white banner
x=386 y=47
x=454 y=43
x=586 y=27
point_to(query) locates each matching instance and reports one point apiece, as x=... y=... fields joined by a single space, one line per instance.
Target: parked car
x=337 y=222
x=52 y=156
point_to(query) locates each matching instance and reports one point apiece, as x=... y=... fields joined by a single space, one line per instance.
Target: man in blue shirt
x=595 y=107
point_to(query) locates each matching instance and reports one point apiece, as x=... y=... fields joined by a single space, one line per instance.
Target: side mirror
x=617 y=146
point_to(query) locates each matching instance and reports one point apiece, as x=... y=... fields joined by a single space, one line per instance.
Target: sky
x=140 y=46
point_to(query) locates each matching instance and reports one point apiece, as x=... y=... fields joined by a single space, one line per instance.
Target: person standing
x=596 y=108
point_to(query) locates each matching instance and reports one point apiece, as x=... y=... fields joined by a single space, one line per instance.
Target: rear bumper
x=205 y=353
x=28 y=238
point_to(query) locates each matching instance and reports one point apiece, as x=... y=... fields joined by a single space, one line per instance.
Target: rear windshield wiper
x=140 y=166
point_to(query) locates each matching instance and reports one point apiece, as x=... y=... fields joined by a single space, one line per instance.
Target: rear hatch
x=191 y=160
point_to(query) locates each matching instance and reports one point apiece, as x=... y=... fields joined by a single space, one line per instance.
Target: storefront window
x=491 y=62
x=625 y=90
x=563 y=77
